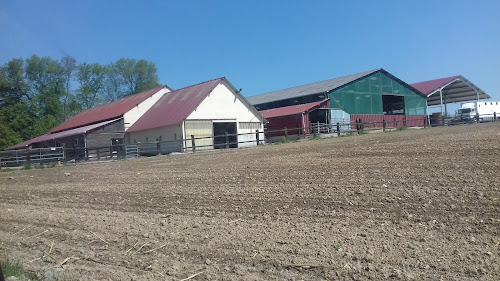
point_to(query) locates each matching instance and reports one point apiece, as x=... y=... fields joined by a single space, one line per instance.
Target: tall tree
x=46 y=79
x=15 y=113
x=91 y=78
x=68 y=65
x=129 y=76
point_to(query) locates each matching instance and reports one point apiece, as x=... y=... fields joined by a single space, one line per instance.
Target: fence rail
x=193 y=144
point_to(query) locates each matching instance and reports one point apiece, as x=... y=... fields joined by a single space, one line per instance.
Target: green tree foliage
x=69 y=105
x=92 y=78
x=129 y=76
x=36 y=94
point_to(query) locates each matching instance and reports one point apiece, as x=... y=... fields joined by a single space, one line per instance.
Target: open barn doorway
x=393 y=105
x=220 y=129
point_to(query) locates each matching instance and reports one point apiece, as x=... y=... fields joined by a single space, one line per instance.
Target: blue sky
x=263 y=46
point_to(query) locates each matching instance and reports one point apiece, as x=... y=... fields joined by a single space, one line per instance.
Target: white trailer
x=484 y=110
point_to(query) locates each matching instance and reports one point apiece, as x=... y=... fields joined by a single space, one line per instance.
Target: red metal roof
x=427 y=87
x=294 y=109
x=106 y=111
x=175 y=106
x=49 y=136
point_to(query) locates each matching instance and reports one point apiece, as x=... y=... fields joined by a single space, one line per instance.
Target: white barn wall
x=131 y=116
x=168 y=133
x=222 y=105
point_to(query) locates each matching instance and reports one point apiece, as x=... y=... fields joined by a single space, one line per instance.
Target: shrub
x=27 y=166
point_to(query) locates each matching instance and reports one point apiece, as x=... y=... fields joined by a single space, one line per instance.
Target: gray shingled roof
x=309 y=89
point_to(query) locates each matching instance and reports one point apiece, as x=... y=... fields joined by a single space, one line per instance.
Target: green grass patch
x=27 y=167
x=7 y=170
x=286 y=140
x=11 y=268
x=15 y=269
x=39 y=166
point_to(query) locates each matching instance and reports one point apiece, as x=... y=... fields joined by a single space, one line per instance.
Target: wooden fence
x=193 y=144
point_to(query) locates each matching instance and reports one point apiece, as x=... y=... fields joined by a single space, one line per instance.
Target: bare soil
x=410 y=205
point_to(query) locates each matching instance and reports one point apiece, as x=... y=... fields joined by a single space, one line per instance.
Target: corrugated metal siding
x=341 y=117
x=199 y=129
x=411 y=120
x=62 y=134
x=294 y=109
x=106 y=111
x=291 y=122
x=175 y=106
x=426 y=87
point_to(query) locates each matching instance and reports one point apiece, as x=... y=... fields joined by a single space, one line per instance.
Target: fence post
x=28 y=155
x=338 y=129
x=193 y=146
x=286 y=132
x=425 y=122
x=477 y=117
x=98 y=155
x=494 y=116
x=361 y=125
x=227 y=140
x=404 y=121
x=443 y=119
x=383 y=125
x=64 y=153
x=314 y=131
x=257 y=136
x=298 y=131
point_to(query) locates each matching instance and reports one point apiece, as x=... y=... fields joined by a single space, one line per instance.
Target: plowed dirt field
x=409 y=205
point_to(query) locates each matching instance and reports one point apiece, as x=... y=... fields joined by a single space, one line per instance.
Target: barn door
x=199 y=129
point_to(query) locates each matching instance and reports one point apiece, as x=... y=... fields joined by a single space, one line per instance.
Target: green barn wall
x=365 y=96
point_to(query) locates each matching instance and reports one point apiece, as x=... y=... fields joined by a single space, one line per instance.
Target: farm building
x=204 y=111
x=101 y=126
x=440 y=92
x=296 y=118
x=372 y=96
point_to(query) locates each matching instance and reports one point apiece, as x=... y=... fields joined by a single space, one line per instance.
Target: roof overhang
x=458 y=90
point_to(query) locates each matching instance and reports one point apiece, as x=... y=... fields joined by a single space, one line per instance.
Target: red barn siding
x=411 y=120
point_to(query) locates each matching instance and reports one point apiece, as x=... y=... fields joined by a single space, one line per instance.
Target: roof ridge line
x=223 y=77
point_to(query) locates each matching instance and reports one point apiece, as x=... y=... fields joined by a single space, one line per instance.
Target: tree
x=46 y=79
x=129 y=76
x=15 y=115
x=13 y=87
x=91 y=78
x=68 y=65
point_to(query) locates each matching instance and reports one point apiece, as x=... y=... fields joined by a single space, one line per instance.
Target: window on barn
x=249 y=125
x=393 y=105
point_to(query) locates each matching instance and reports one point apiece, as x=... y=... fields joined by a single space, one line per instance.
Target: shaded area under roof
x=58 y=135
x=453 y=89
x=172 y=108
x=294 y=109
x=308 y=89
x=106 y=111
